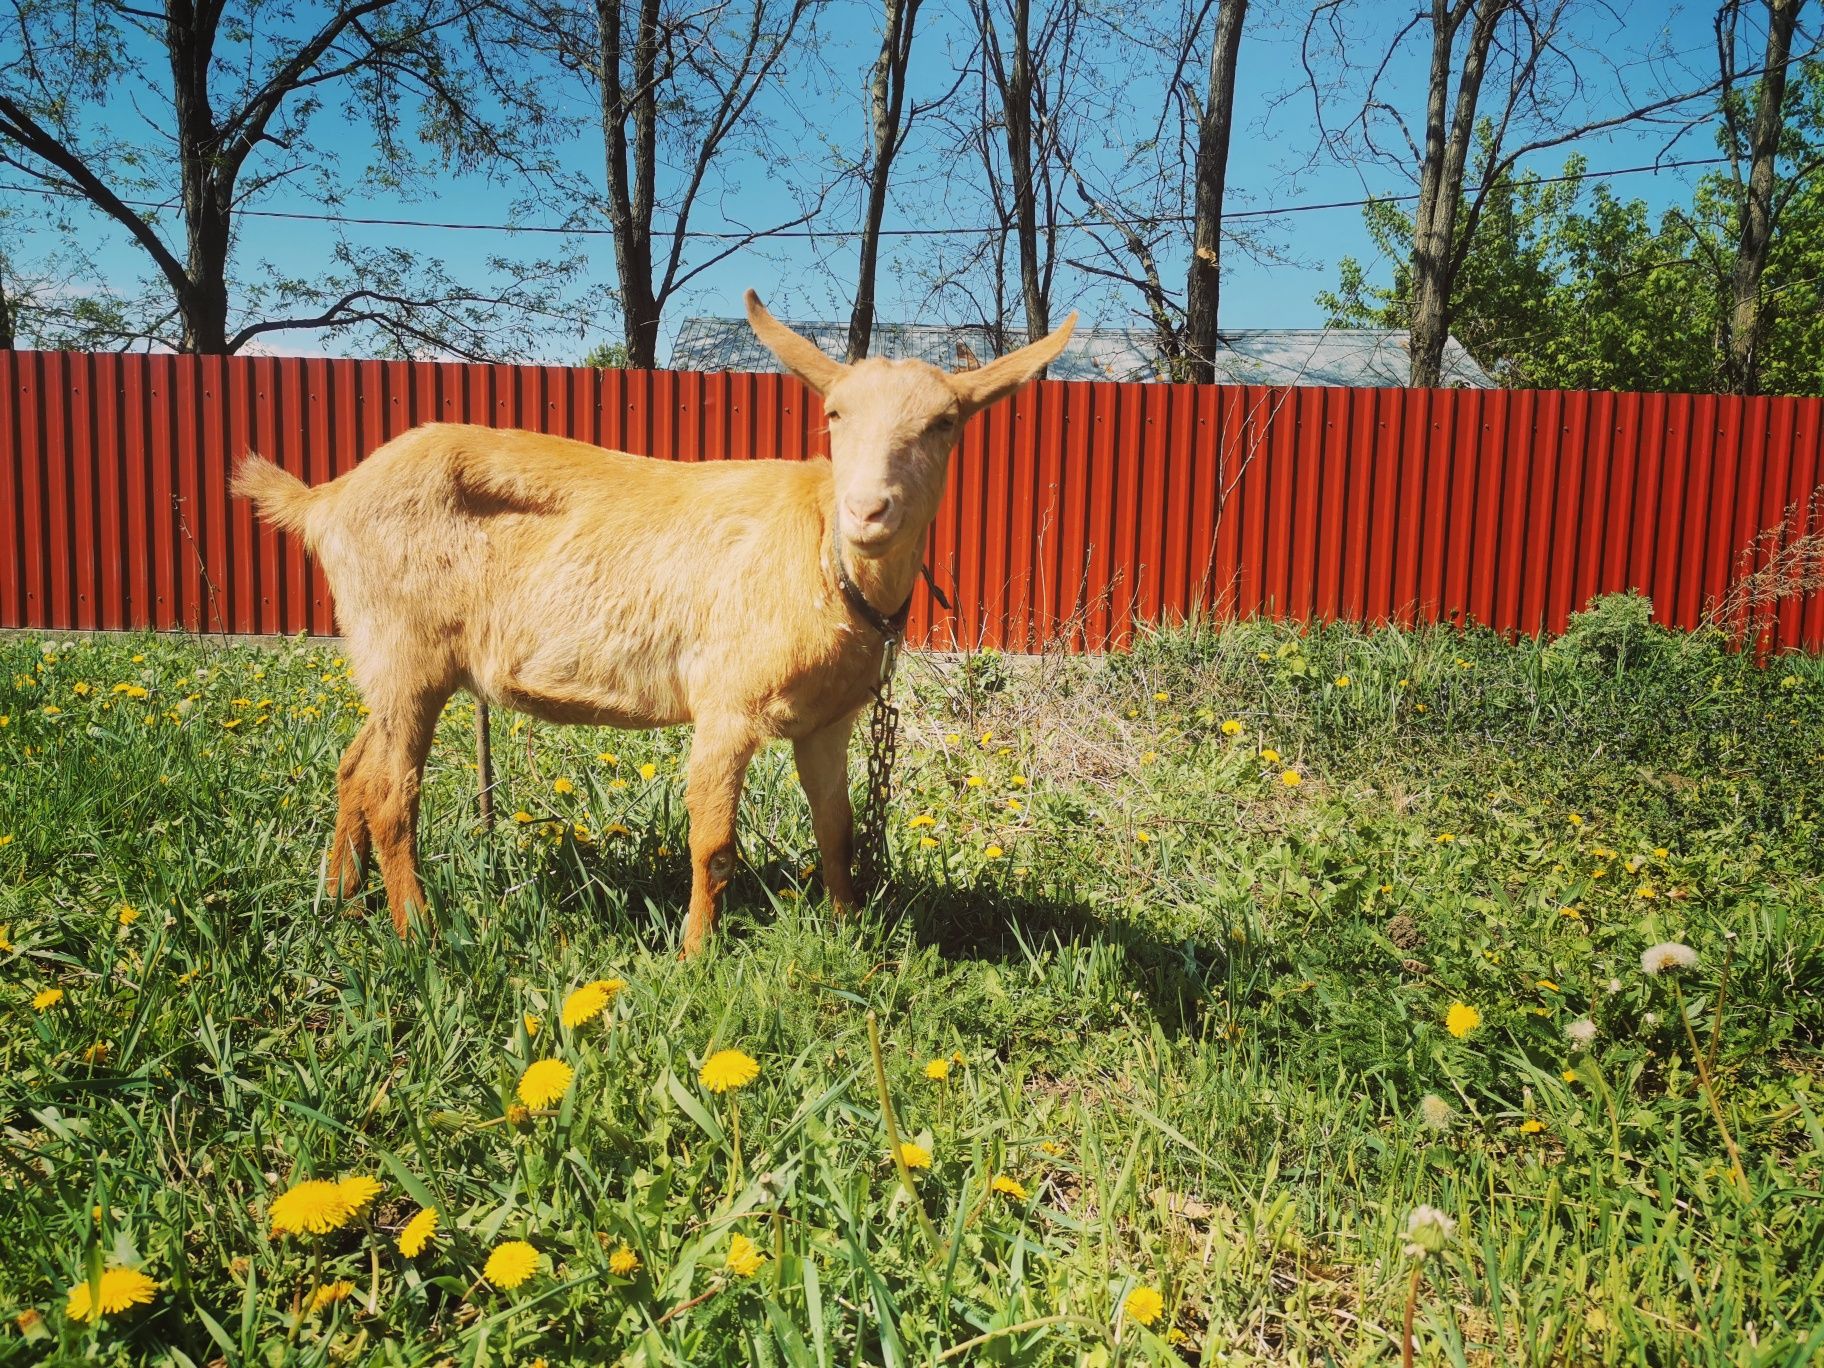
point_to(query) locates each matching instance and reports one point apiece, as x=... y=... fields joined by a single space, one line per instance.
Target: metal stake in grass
x=899 y=1159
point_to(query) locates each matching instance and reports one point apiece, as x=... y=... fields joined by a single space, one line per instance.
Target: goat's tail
x=281 y=498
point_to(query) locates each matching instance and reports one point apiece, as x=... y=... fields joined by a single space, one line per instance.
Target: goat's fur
x=584 y=585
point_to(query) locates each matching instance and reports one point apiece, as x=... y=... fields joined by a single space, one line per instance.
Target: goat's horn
x=800 y=355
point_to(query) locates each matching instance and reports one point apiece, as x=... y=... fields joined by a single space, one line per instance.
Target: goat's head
x=893 y=425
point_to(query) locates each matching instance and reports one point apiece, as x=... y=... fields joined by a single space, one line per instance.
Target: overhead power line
x=717 y=235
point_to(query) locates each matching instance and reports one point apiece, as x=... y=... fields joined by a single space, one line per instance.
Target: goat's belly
x=629 y=698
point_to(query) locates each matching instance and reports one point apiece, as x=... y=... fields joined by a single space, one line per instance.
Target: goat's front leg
x=718 y=767
x=823 y=770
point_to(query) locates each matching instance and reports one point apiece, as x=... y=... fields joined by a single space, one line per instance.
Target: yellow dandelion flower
x=648 y=770
x=119 y=1289
x=1143 y=836
x=510 y=1264
x=1291 y=778
x=517 y=1114
x=975 y=781
x=1549 y=986
x=1232 y=727
x=1015 y=805
x=52 y=710
x=1051 y=1147
x=1342 y=681
x=1144 y=1305
x=623 y=1262
x=584 y=1004
x=531 y=1023
x=726 y=1070
x=328 y=1295
x=418 y=1233
x=1461 y=1019
x=544 y=1082
x=994 y=852
x=1011 y=1187
x=47 y=998
x=914 y=1156
x=987 y=736
x=1575 y=819
x=612 y=987
x=609 y=758
x=562 y=785
x=126 y=915
x=1018 y=781
x=1446 y=837
x=359 y=1191
x=938 y=1070
x=1531 y=1126
x=924 y=819
x=927 y=842
x=952 y=739
x=312 y=1207
x=1569 y=1075
x=1162 y=697
x=98 y=1052
x=744 y=1257
x=1645 y=891
x=522 y=817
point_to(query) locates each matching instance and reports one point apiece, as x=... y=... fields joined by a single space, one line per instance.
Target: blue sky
x=1272 y=163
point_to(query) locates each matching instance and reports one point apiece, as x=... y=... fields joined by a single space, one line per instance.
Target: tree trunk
x=207 y=199
x=1019 y=162
x=1748 y=317
x=9 y=337
x=1203 y=290
x=887 y=93
x=1435 y=254
x=631 y=186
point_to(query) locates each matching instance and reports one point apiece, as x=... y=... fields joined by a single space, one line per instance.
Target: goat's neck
x=885 y=581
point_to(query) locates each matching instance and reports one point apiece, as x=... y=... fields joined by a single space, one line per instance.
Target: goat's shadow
x=643 y=890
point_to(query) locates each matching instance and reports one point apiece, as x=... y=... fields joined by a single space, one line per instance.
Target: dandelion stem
x=957 y=1350
x=1412 y=1303
x=899 y=1159
x=1709 y=1085
x=1716 y=1019
x=373 y=1268
x=734 y=1119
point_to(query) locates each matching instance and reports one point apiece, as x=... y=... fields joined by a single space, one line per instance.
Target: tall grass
x=1189 y=1010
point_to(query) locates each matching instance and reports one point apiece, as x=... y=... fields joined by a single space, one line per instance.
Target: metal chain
x=872 y=868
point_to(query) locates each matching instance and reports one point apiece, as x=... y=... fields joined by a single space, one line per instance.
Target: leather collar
x=890 y=626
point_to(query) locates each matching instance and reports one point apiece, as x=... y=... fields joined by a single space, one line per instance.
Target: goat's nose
x=869 y=508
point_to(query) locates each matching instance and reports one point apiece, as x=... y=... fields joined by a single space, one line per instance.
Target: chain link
x=872 y=868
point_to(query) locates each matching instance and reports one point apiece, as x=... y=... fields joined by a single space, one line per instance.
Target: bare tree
x=1203 y=289
x=1173 y=175
x=232 y=119
x=675 y=84
x=1760 y=199
x=1033 y=72
x=888 y=127
x=1511 y=68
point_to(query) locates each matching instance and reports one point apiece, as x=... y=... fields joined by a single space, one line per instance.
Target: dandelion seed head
x=1656 y=959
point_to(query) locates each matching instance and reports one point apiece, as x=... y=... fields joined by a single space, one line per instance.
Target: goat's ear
x=799 y=354
x=983 y=386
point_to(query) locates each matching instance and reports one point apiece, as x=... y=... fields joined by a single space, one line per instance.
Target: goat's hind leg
x=348 y=851
x=389 y=779
x=718 y=767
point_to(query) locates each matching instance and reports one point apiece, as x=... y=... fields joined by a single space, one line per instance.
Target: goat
x=754 y=598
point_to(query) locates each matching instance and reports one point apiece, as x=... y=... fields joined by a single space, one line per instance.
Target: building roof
x=1249 y=356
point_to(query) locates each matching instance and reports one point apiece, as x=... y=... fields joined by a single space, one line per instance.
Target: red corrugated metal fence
x=1074 y=510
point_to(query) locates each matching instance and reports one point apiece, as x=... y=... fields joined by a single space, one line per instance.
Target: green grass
x=1201 y=1053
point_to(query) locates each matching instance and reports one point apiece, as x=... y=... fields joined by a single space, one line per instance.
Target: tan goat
x=752 y=598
